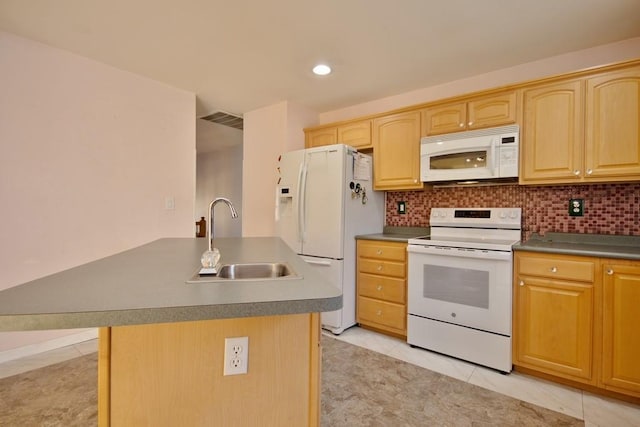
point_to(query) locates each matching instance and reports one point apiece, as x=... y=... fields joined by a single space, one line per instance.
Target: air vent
x=225 y=119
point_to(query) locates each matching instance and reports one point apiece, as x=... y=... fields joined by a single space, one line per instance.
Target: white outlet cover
x=236 y=355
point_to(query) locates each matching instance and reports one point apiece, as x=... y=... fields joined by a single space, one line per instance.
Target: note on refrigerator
x=361 y=167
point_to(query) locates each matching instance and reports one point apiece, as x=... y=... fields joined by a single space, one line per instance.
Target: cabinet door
x=612 y=142
x=318 y=137
x=489 y=111
x=356 y=134
x=396 y=151
x=444 y=119
x=620 y=331
x=553 y=327
x=551 y=145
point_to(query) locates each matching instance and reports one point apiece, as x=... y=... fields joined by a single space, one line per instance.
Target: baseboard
x=41 y=347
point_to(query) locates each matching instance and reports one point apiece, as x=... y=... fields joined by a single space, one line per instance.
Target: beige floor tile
x=605 y=412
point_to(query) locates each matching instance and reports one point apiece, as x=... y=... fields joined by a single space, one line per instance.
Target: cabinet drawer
x=556 y=268
x=383 y=288
x=381 y=313
x=383 y=268
x=382 y=250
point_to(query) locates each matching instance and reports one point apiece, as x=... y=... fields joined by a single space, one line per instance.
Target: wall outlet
x=576 y=207
x=402 y=208
x=236 y=355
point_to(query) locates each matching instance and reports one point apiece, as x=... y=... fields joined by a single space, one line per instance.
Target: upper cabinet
x=612 y=132
x=356 y=134
x=582 y=130
x=478 y=112
x=396 y=152
x=318 y=137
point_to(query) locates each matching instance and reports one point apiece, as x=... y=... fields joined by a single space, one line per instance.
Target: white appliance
x=469 y=156
x=324 y=199
x=459 y=291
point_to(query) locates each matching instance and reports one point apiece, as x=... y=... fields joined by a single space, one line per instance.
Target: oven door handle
x=459 y=252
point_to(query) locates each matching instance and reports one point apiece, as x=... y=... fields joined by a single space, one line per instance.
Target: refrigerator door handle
x=302 y=183
x=315 y=262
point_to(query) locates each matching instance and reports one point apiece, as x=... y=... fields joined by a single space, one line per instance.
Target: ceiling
x=240 y=55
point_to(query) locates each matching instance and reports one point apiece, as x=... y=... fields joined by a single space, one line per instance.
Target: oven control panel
x=510 y=218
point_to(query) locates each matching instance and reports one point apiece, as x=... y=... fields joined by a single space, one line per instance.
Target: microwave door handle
x=494 y=156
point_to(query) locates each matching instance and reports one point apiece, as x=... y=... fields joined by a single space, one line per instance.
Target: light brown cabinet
x=396 y=152
x=476 y=113
x=576 y=317
x=356 y=134
x=382 y=286
x=553 y=318
x=582 y=130
x=319 y=137
x=171 y=374
x=620 y=331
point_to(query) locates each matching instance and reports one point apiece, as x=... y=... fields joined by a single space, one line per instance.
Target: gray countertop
x=396 y=234
x=595 y=245
x=147 y=284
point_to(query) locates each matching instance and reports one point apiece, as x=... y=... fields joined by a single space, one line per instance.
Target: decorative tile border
x=608 y=208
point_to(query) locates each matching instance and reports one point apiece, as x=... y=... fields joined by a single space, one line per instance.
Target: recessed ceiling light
x=321 y=69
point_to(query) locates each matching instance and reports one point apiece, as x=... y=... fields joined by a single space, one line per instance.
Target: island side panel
x=172 y=374
x=104 y=376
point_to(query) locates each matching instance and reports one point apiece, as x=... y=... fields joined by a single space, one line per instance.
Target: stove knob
x=503 y=215
x=514 y=214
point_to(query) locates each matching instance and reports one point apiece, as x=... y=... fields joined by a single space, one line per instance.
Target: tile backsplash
x=608 y=208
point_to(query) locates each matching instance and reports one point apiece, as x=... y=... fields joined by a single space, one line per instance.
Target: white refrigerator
x=324 y=198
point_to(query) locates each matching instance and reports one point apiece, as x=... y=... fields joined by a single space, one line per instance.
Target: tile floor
x=593 y=409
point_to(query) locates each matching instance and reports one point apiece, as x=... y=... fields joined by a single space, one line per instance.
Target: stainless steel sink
x=251 y=271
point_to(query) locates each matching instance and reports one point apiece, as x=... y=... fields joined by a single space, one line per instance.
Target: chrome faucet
x=211 y=257
x=234 y=214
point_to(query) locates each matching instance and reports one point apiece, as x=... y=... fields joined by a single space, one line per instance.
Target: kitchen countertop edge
x=148 y=284
x=396 y=234
x=593 y=245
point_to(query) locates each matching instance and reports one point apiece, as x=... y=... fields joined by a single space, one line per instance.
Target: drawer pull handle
x=379 y=287
x=379 y=252
x=379 y=313
x=521 y=283
x=610 y=272
x=379 y=268
x=554 y=269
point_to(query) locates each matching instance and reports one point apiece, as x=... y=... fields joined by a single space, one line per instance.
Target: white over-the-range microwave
x=470 y=156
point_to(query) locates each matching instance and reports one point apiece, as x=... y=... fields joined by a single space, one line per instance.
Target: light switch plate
x=402 y=208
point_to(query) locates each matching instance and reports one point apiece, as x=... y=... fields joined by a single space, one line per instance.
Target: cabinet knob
x=470 y=124
x=379 y=268
x=589 y=171
x=554 y=269
x=461 y=125
x=576 y=172
x=610 y=272
x=379 y=313
x=379 y=252
x=521 y=283
x=379 y=287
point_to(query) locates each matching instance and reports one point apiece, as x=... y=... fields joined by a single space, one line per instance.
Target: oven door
x=461 y=286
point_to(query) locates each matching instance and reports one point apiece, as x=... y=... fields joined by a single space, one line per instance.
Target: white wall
x=88 y=155
x=268 y=132
x=219 y=174
x=600 y=55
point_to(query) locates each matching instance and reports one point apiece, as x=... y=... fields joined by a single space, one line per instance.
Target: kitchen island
x=162 y=340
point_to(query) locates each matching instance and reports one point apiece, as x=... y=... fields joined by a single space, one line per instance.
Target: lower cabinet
x=171 y=374
x=620 y=327
x=382 y=286
x=576 y=318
